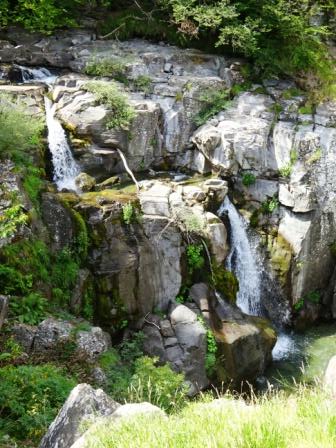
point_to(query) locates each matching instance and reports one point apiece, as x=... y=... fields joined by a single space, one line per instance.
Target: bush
x=107 y=93
x=30 y=399
x=143 y=83
x=158 y=385
x=19 y=131
x=115 y=68
x=128 y=213
x=214 y=101
x=248 y=179
x=30 y=309
x=268 y=207
x=195 y=258
x=11 y=220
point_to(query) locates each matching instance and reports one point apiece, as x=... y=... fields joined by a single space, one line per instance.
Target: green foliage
x=214 y=101
x=11 y=351
x=306 y=109
x=248 y=179
x=240 y=88
x=195 y=257
x=30 y=399
x=225 y=282
x=303 y=418
x=315 y=157
x=210 y=359
x=158 y=385
x=268 y=206
x=292 y=92
x=30 y=309
x=82 y=237
x=129 y=213
x=293 y=155
x=115 y=68
x=64 y=274
x=33 y=184
x=107 y=93
x=311 y=296
x=11 y=220
x=143 y=83
x=19 y=131
x=286 y=170
x=119 y=366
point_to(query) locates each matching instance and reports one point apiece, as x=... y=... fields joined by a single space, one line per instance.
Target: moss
x=116 y=194
x=281 y=256
x=225 y=282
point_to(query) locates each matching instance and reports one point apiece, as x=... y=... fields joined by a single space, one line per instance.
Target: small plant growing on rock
x=128 y=213
x=143 y=83
x=315 y=157
x=268 y=207
x=248 y=179
x=210 y=357
x=30 y=309
x=214 y=101
x=194 y=257
x=286 y=170
x=115 y=68
x=13 y=218
x=107 y=93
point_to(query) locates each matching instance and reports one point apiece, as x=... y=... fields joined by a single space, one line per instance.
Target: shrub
x=214 y=101
x=143 y=83
x=107 y=93
x=306 y=109
x=248 y=179
x=115 y=68
x=195 y=258
x=268 y=207
x=159 y=385
x=30 y=399
x=11 y=220
x=30 y=309
x=19 y=131
x=286 y=170
x=128 y=213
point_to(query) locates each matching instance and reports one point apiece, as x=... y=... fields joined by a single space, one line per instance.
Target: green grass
x=304 y=419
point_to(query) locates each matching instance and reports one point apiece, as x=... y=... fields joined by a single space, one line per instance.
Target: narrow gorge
x=158 y=210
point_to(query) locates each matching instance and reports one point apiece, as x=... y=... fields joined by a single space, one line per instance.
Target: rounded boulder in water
x=85 y=182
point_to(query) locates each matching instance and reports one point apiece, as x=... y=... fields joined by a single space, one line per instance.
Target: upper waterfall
x=243 y=261
x=65 y=167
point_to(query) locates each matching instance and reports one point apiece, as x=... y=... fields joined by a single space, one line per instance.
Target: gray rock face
x=93 y=342
x=84 y=405
x=58 y=221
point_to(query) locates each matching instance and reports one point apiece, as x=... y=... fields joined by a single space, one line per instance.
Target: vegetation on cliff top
x=280 y=37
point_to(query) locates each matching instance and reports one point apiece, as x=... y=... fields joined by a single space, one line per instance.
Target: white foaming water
x=284 y=348
x=37 y=74
x=243 y=262
x=65 y=167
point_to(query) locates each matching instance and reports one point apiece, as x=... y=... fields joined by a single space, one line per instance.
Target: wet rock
x=85 y=182
x=83 y=406
x=58 y=220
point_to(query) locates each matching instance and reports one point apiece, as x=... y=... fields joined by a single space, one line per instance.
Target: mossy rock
x=281 y=256
x=225 y=282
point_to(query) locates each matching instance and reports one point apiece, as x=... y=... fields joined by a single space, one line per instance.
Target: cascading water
x=65 y=167
x=37 y=74
x=243 y=262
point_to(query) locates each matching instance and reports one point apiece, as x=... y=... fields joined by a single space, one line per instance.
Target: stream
x=301 y=357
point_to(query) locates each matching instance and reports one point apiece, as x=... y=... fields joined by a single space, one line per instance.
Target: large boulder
x=83 y=406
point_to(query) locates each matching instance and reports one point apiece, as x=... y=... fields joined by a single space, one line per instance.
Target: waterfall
x=243 y=261
x=65 y=167
x=37 y=74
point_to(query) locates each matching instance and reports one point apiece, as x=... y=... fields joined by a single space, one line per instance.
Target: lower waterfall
x=243 y=262
x=65 y=167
